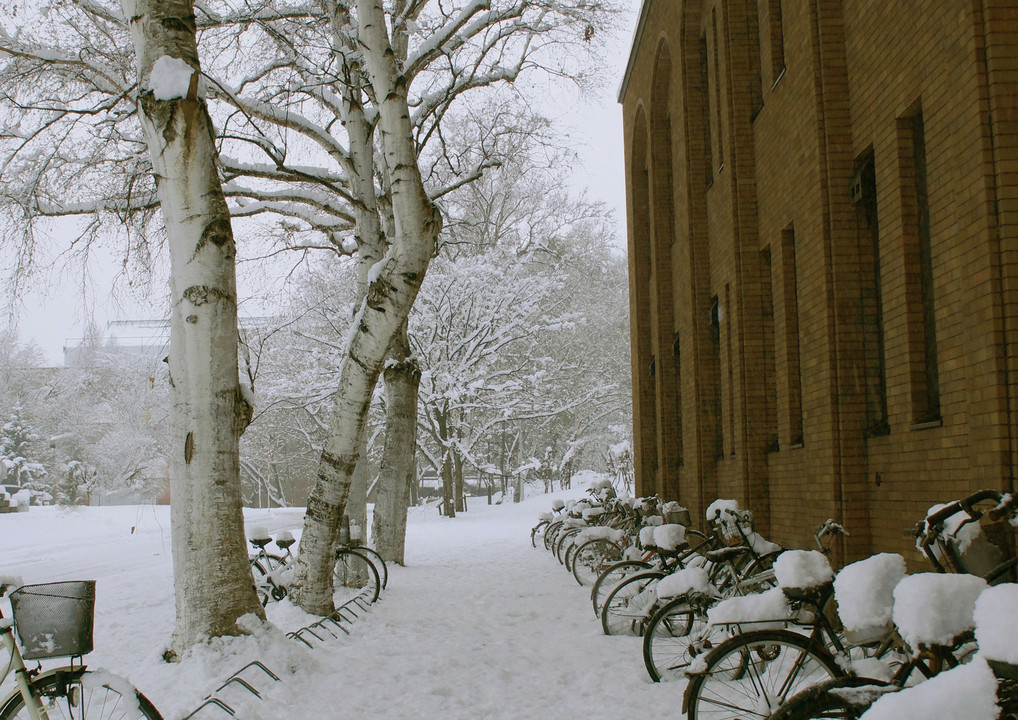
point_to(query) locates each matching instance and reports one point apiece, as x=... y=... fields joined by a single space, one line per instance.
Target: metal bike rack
x=216 y=702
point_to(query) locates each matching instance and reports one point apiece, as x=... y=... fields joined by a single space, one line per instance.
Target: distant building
x=146 y=338
x=823 y=247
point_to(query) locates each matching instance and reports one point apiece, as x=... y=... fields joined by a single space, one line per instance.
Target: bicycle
x=733 y=570
x=355 y=573
x=959 y=537
x=679 y=632
x=785 y=673
x=55 y=620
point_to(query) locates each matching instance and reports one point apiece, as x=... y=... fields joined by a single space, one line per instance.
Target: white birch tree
x=210 y=409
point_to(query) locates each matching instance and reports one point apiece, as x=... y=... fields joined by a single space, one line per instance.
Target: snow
x=669 y=537
x=647 y=536
x=761 y=545
x=802 y=569
x=693 y=579
x=478 y=625
x=934 y=608
x=756 y=609
x=719 y=508
x=864 y=591
x=997 y=623
x=170 y=78
x=602 y=533
x=967 y=691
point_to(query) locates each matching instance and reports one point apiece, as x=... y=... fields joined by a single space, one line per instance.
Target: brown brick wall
x=783 y=149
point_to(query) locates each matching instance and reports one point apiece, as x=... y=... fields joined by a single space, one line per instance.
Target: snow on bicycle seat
x=285 y=539
x=259 y=537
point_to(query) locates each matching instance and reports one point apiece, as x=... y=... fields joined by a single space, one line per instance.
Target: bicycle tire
x=570 y=553
x=550 y=532
x=538 y=529
x=698 y=542
x=379 y=562
x=625 y=610
x=592 y=557
x=80 y=694
x=564 y=537
x=354 y=575
x=751 y=674
x=265 y=586
x=824 y=701
x=666 y=641
x=612 y=576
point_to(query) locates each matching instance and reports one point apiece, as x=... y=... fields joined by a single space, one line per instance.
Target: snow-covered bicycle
x=359 y=570
x=54 y=620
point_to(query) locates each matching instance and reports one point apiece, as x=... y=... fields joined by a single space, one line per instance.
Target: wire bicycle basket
x=54 y=619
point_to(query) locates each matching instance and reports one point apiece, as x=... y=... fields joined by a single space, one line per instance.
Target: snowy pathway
x=479 y=625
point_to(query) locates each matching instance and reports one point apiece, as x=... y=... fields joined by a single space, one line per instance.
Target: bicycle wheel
x=570 y=553
x=671 y=640
x=592 y=557
x=266 y=570
x=354 y=575
x=538 y=532
x=827 y=700
x=82 y=695
x=627 y=607
x=550 y=533
x=378 y=561
x=610 y=577
x=750 y=675
x=698 y=541
x=562 y=542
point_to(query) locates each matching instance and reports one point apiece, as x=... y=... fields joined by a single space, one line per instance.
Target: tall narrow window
x=793 y=363
x=769 y=349
x=677 y=361
x=777 y=40
x=715 y=348
x=705 y=115
x=717 y=87
x=729 y=364
x=870 y=306
x=920 y=300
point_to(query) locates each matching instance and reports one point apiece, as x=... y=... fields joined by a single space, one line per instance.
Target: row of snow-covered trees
x=347 y=121
x=521 y=338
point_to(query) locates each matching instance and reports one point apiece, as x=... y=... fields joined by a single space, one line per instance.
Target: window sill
x=927 y=424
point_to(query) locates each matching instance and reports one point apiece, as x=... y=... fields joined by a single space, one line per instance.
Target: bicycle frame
x=21 y=672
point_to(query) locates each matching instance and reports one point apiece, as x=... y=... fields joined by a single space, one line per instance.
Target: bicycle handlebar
x=964 y=505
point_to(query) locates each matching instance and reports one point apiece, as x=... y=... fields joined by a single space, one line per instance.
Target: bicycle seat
x=285 y=539
x=260 y=543
x=723 y=554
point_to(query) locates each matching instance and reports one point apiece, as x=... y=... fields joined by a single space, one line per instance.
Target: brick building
x=823 y=244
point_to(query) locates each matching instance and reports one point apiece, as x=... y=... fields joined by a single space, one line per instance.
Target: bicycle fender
x=68 y=672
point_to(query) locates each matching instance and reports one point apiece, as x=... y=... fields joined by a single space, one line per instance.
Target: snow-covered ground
x=478 y=625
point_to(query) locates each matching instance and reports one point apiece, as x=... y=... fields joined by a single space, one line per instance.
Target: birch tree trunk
x=212 y=576
x=402 y=377
x=393 y=287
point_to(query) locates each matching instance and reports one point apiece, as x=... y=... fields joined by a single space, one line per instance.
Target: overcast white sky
x=57 y=312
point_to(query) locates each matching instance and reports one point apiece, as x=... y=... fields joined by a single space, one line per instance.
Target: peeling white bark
x=390 y=296
x=212 y=576
x=402 y=377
